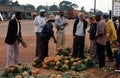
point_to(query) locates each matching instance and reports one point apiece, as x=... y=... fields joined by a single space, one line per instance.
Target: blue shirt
x=93 y=29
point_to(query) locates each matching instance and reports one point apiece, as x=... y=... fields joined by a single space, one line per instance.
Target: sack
x=23 y=43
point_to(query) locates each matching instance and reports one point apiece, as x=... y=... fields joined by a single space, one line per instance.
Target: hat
x=42 y=10
x=51 y=17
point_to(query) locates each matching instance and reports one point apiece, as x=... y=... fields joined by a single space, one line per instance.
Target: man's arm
x=100 y=30
x=36 y=21
x=51 y=33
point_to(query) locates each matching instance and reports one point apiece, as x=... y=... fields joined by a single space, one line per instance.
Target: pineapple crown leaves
x=11 y=71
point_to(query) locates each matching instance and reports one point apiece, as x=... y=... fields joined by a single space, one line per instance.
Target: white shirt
x=39 y=23
x=80 y=30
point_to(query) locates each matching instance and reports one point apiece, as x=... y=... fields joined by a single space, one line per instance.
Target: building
x=7 y=11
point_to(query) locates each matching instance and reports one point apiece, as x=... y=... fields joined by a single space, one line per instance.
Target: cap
x=42 y=10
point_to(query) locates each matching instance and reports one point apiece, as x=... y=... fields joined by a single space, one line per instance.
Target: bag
x=23 y=43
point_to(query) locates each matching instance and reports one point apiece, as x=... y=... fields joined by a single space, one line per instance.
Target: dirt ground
x=26 y=55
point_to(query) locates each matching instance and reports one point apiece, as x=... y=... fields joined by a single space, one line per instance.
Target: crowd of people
x=102 y=33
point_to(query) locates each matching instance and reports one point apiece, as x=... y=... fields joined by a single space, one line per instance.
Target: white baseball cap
x=42 y=10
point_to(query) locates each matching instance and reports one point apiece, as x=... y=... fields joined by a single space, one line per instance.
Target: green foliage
x=80 y=67
x=4 y=2
x=64 y=52
x=82 y=9
x=50 y=65
x=40 y=7
x=37 y=63
x=99 y=12
x=65 y=61
x=15 y=4
x=31 y=7
x=66 y=5
x=53 y=8
x=107 y=68
x=90 y=64
x=16 y=70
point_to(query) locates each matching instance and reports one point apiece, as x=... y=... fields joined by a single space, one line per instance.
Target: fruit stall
x=63 y=62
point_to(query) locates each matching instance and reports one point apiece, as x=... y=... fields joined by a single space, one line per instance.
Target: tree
x=82 y=9
x=74 y=6
x=40 y=7
x=53 y=8
x=4 y=2
x=99 y=12
x=15 y=4
x=30 y=7
x=66 y=5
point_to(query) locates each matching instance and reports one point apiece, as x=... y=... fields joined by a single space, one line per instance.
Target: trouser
x=101 y=55
x=78 y=46
x=60 y=37
x=13 y=50
x=93 y=53
x=43 y=49
x=37 y=44
x=109 y=50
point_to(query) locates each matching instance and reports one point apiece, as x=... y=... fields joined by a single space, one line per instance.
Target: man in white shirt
x=79 y=29
x=60 y=24
x=39 y=23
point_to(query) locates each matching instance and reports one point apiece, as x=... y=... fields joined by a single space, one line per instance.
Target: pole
x=94 y=6
x=46 y=7
x=112 y=9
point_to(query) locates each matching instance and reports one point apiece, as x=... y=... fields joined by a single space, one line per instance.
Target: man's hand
x=65 y=24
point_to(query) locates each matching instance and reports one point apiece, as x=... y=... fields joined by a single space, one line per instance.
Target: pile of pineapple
x=63 y=61
x=16 y=71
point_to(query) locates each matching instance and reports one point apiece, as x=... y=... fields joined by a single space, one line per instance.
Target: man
x=39 y=23
x=13 y=32
x=101 y=40
x=92 y=32
x=111 y=36
x=45 y=36
x=117 y=54
x=79 y=30
x=60 y=24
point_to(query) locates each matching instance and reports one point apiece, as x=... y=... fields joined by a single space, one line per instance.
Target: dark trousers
x=37 y=44
x=43 y=49
x=109 y=50
x=78 y=46
x=101 y=55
